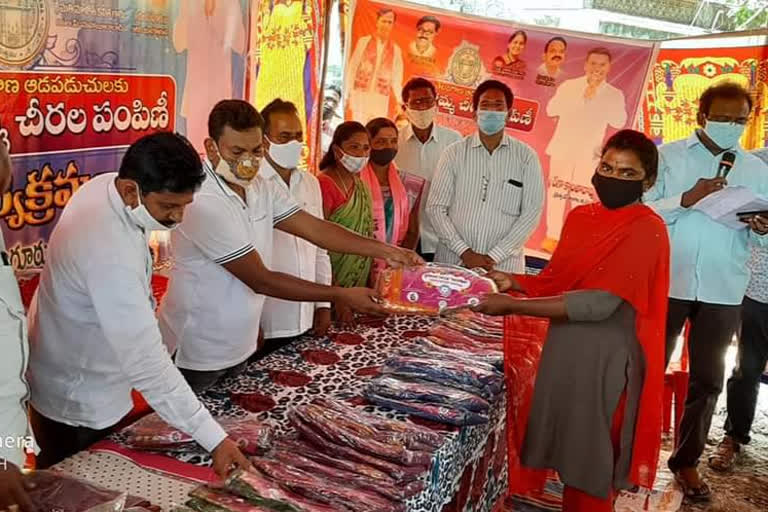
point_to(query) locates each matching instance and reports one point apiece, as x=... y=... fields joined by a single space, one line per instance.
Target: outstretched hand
x=495 y=304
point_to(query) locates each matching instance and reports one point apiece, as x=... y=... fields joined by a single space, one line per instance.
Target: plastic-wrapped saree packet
x=431 y=288
x=208 y=499
x=58 y=492
x=152 y=433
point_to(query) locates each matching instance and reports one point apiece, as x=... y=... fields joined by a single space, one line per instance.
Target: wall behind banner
x=681 y=75
x=550 y=110
x=80 y=82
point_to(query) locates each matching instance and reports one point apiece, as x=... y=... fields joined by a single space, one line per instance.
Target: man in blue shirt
x=744 y=384
x=708 y=268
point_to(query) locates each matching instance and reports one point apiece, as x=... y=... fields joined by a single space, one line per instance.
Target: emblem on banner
x=23 y=31
x=466 y=66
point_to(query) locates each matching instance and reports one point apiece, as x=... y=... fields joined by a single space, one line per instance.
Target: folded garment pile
x=53 y=491
x=344 y=460
x=450 y=376
x=152 y=433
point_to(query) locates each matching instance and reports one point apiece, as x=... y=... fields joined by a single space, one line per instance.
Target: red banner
x=547 y=69
x=46 y=112
x=456 y=100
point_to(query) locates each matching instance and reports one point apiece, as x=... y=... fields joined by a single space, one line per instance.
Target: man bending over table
x=223 y=252
x=92 y=328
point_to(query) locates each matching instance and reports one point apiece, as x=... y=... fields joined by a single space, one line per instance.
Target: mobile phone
x=762 y=213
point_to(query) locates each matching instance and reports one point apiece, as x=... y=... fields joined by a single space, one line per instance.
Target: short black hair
x=556 y=38
x=385 y=11
x=724 y=90
x=343 y=132
x=163 y=162
x=518 y=33
x=492 y=85
x=417 y=83
x=429 y=19
x=600 y=50
x=374 y=126
x=641 y=146
x=237 y=114
x=277 y=106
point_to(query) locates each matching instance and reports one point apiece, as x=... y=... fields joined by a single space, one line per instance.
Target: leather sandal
x=725 y=455
x=700 y=494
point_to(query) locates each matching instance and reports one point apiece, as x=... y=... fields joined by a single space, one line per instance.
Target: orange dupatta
x=625 y=252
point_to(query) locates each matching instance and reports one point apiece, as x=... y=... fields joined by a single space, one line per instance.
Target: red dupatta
x=625 y=252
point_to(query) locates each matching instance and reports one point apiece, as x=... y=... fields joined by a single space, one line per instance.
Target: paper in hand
x=723 y=206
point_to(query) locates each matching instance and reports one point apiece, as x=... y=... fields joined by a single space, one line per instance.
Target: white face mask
x=421 y=119
x=141 y=216
x=354 y=164
x=247 y=170
x=286 y=155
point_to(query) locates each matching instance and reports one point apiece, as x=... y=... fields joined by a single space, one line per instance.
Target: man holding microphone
x=709 y=274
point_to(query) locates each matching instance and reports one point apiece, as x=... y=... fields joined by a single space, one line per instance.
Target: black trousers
x=272 y=345
x=429 y=257
x=744 y=384
x=58 y=441
x=200 y=380
x=712 y=329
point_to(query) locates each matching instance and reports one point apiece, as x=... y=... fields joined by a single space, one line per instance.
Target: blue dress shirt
x=709 y=260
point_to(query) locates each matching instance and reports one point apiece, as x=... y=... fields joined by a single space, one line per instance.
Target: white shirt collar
x=476 y=142
x=268 y=171
x=212 y=175
x=119 y=206
x=433 y=135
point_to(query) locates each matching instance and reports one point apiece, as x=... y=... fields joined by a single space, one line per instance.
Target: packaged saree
x=431 y=288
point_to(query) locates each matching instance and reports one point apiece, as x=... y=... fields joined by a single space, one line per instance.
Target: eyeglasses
x=422 y=103
x=723 y=119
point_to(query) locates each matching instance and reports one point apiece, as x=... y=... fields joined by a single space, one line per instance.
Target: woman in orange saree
x=590 y=331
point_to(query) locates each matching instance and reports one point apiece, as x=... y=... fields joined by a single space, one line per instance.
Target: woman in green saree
x=347 y=202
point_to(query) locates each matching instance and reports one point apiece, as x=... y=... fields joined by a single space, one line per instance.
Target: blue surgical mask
x=724 y=134
x=491 y=122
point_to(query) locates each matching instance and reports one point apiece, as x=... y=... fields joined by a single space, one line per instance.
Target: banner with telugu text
x=685 y=68
x=567 y=102
x=81 y=80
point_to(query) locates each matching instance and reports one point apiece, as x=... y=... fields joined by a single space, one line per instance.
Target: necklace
x=341 y=180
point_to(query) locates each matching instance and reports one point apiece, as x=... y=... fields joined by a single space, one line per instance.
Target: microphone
x=726 y=164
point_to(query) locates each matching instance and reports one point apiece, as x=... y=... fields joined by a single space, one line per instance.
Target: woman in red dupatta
x=586 y=407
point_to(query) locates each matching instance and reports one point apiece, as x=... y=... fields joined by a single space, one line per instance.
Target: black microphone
x=726 y=164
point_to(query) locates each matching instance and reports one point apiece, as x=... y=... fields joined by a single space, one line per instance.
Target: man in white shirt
x=223 y=254
x=283 y=320
x=585 y=108
x=14 y=391
x=375 y=71
x=488 y=193
x=93 y=331
x=744 y=383
x=420 y=147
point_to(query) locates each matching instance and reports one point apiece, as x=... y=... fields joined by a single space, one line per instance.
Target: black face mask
x=615 y=193
x=383 y=156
